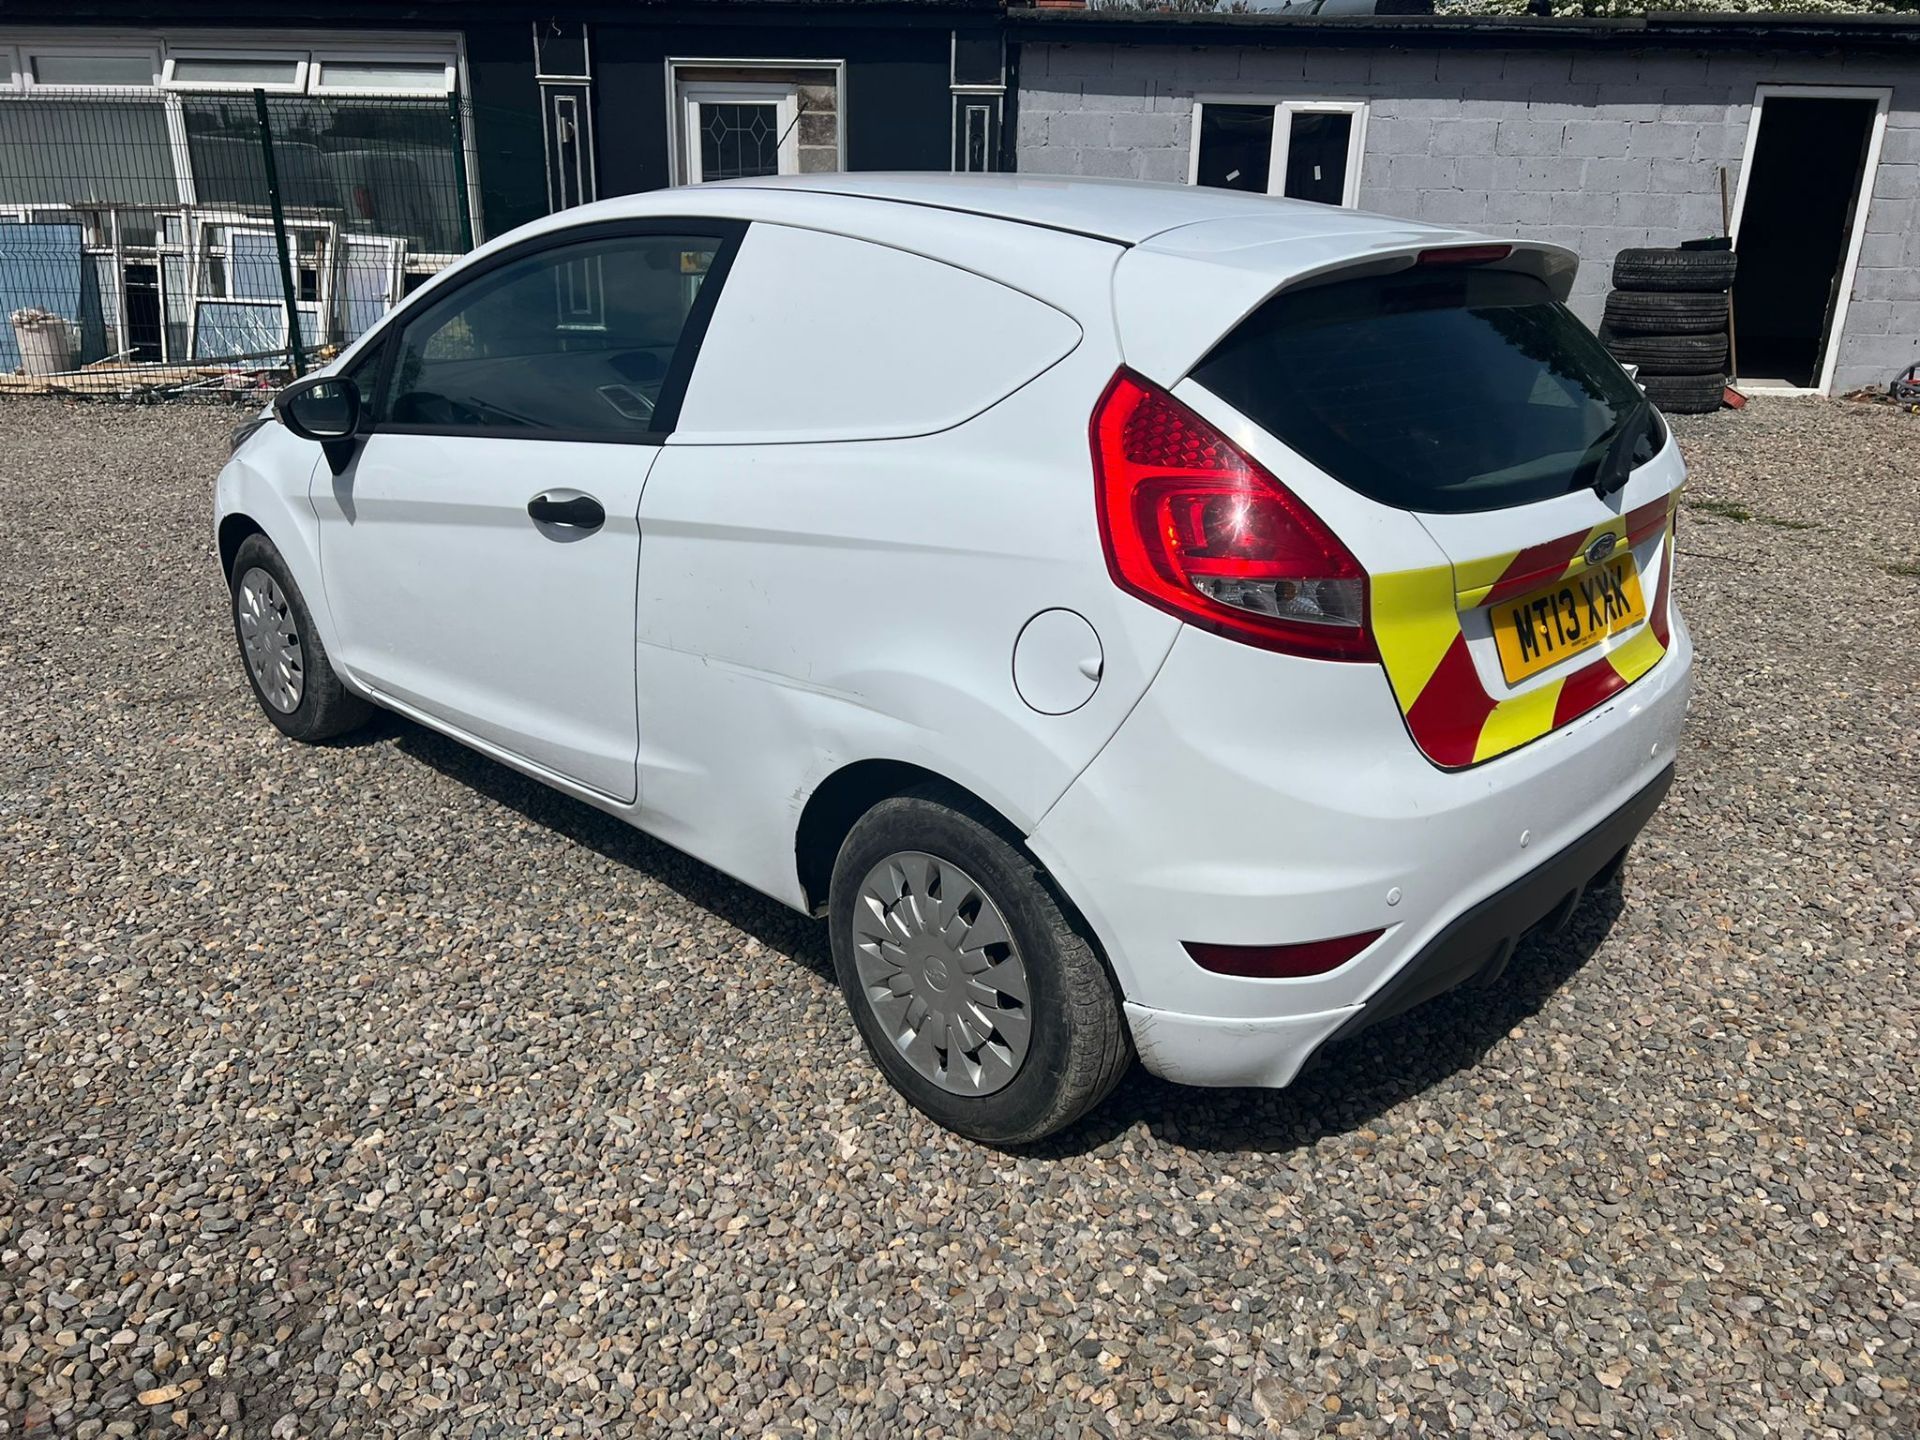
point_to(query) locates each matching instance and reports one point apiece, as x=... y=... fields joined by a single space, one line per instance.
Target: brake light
x=1281 y=962
x=1464 y=255
x=1195 y=527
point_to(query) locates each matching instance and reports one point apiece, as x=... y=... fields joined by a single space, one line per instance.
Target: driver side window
x=572 y=342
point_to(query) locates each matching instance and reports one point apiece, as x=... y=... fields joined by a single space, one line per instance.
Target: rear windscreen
x=1431 y=389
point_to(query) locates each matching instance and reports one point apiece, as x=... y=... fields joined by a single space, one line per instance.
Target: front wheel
x=977 y=996
x=281 y=651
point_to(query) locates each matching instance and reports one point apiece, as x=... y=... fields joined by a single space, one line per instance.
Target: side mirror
x=322 y=407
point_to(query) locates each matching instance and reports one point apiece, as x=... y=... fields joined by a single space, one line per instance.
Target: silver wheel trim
x=270 y=641
x=941 y=973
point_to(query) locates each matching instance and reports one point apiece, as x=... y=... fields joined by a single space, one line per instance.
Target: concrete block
x=1652 y=140
x=1561 y=92
x=1463 y=137
x=1110 y=164
x=1892 y=217
x=1166 y=165
x=1599 y=139
x=1717 y=144
x=1031 y=129
x=1078 y=61
x=1897 y=182
x=1618 y=177
x=1521 y=136
x=1474 y=172
x=1878 y=252
x=1519 y=207
x=1683 y=177
x=1085 y=128
x=1901 y=283
x=1535 y=172
x=1901 y=144
x=1870 y=317
x=1428 y=102
x=1452 y=207
x=1585 y=207
x=1149 y=131
x=1421 y=172
x=1397 y=134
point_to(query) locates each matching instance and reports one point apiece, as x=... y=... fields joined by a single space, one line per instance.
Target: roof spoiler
x=1175 y=295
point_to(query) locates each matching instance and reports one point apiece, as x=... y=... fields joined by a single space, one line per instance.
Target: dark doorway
x=144 y=330
x=1806 y=178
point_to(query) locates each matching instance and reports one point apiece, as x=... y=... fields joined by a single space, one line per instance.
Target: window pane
x=382 y=75
x=79 y=152
x=739 y=140
x=573 y=341
x=1430 y=389
x=235 y=72
x=1317 y=155
x=1236 y=146
x=375 y=167
x=93 y=69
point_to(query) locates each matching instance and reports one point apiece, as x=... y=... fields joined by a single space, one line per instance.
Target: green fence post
x=461 y=207
x=287 y=290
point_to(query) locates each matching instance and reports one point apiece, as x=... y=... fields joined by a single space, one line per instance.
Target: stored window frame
x=383 y=343
x=32 y=50
x=1283 y=112
x=317 y=83
x=11 y=76
x=296 y=86
x=1882 y=96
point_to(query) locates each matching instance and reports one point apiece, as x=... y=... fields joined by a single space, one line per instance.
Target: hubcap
x=941 y=973
x=270 y=641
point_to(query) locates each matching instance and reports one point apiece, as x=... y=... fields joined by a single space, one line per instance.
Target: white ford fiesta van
x=1142 y=620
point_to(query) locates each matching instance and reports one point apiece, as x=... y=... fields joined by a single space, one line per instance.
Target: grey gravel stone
x=373 y=1090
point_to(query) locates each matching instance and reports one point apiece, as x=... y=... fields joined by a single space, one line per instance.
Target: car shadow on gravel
x=1345 y=1088
x=781 y=930
x=1350 y=1085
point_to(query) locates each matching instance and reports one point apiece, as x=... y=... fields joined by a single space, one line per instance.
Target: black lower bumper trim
x=1479 y=942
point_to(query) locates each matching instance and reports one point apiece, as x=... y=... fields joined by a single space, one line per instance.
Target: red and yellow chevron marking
x=1416 y=621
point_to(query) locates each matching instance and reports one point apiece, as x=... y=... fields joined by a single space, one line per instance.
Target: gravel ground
x=375 y=1090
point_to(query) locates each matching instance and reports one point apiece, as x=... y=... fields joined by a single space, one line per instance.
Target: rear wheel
x=281 y=652
x=977 y=996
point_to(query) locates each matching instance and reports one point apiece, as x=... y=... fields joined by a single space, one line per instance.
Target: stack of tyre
x=1667 y=314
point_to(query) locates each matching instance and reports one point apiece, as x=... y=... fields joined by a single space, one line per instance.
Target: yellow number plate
x=1546 y=626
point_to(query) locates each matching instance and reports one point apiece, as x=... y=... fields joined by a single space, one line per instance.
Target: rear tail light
x=1281 y=962
x=1194 y=526
x=1464 y=255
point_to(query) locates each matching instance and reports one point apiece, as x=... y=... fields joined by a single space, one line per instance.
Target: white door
x=735 y=131
x=481 y=549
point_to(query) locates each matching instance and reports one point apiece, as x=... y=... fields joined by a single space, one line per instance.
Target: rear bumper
x=1278 y=801
x=1205 y=1050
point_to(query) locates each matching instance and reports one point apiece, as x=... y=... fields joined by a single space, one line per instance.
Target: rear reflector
x=1193 y=525
x=1281 y=962
x=1464 y=255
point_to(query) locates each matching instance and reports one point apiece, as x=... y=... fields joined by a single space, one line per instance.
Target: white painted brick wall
x=1598 y=150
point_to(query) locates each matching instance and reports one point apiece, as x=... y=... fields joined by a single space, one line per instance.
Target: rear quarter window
x=825 y=337
x=1432 y=389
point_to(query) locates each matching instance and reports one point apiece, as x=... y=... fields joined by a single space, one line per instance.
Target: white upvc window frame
x=1882 y=96
x=11 y=78
x=1283 y=112
x=30 y=51
x=317 y=73
x=679 y=155
x=296 y=86
x=783 y=95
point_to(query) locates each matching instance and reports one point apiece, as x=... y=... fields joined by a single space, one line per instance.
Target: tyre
x=1686 y=394
x=281 y=651
x=1700 y=271
x=977 y=995
x=1671 y=354
x=1655 y=312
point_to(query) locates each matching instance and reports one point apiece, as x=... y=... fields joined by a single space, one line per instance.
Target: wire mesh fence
x=204 y=232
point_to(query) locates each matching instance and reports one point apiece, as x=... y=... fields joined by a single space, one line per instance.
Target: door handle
x=568 y=508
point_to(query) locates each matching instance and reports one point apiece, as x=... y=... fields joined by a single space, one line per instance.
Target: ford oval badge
x=1601 y=547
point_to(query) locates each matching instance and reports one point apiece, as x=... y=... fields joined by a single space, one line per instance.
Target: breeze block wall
x=1595 y=150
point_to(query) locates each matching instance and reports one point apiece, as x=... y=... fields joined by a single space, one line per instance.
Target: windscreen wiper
x=1617 y=465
